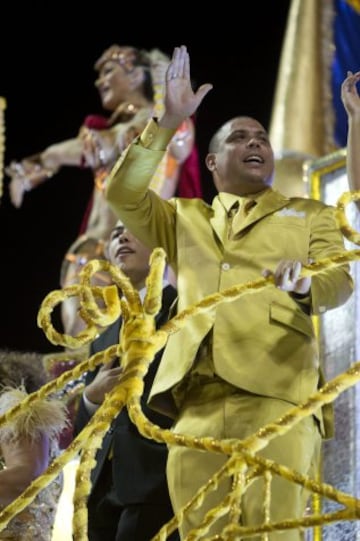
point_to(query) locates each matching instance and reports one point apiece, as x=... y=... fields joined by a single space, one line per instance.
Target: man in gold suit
x=233 y=369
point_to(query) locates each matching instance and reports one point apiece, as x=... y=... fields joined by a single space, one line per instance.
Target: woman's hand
x=17 y=186
x=349 y=93
x=25 y=175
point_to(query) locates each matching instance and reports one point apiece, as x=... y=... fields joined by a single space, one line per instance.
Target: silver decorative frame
x=339 y=340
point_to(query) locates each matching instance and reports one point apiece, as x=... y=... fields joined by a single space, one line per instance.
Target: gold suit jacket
x=264 y=342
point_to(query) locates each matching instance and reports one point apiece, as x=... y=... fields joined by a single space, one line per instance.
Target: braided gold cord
x=348 y=232
x=44 y=320
x=111 y=298
x=138 y=344
x=57 y=384
x=91 y=440
x=50 y=360
x=235 y=292
x=267 y=499
x=58 y=464
x=152 y=301
x=238 y=484
x=251 y=445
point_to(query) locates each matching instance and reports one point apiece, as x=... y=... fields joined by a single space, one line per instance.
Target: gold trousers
x=220 y=411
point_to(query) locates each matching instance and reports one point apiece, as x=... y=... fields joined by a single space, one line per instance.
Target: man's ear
x=210 y=161
x=136 y=77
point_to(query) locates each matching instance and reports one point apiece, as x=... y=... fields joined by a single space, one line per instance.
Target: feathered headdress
x=129 y=57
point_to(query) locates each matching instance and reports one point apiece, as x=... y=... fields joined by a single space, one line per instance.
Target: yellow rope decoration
x=2 y=142
x=138 y=344
x=348 y=232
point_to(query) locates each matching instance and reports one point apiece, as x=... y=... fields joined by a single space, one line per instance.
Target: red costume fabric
x=189 y=184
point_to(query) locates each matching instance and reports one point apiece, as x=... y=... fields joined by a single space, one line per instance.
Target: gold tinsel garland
x=2 y=142
x=138 y=344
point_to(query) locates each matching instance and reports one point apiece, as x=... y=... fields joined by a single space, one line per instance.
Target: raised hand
x=18 y=183
x=351 y=100
x=24 y=176
x=349 y=93
x=180 y=99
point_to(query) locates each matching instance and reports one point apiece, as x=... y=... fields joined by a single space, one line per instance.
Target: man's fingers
x=108 y=366
x=203 y=90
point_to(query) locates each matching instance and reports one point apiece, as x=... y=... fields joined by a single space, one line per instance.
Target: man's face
x=243 y=162
x=129 y=254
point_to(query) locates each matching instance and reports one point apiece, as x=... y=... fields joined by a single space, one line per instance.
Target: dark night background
x=47 y=80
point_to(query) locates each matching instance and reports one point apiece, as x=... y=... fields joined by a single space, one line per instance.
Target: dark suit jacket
x=138 y=463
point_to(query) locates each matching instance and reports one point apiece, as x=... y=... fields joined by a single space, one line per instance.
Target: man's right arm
x=132 y=174
x=98 y=384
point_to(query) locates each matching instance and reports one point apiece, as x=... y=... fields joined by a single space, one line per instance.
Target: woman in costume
x=28 y=444
x=130 y=84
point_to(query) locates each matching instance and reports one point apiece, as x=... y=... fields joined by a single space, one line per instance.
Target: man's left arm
x=333 y=286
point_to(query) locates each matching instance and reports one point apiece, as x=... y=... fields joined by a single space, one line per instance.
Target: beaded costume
x=48 y=417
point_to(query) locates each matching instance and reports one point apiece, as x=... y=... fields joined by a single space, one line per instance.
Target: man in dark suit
x=129 y=500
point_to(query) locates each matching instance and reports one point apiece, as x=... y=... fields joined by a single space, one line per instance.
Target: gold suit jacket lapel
x=219 y=220
x=269 y=203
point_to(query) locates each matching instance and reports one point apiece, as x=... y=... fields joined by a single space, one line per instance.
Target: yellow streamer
x=140 y=341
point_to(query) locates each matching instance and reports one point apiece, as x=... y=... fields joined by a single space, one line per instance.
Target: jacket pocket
x=295 y=319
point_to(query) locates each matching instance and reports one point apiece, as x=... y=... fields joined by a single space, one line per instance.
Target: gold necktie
x=241 y=213
x=234 y=209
